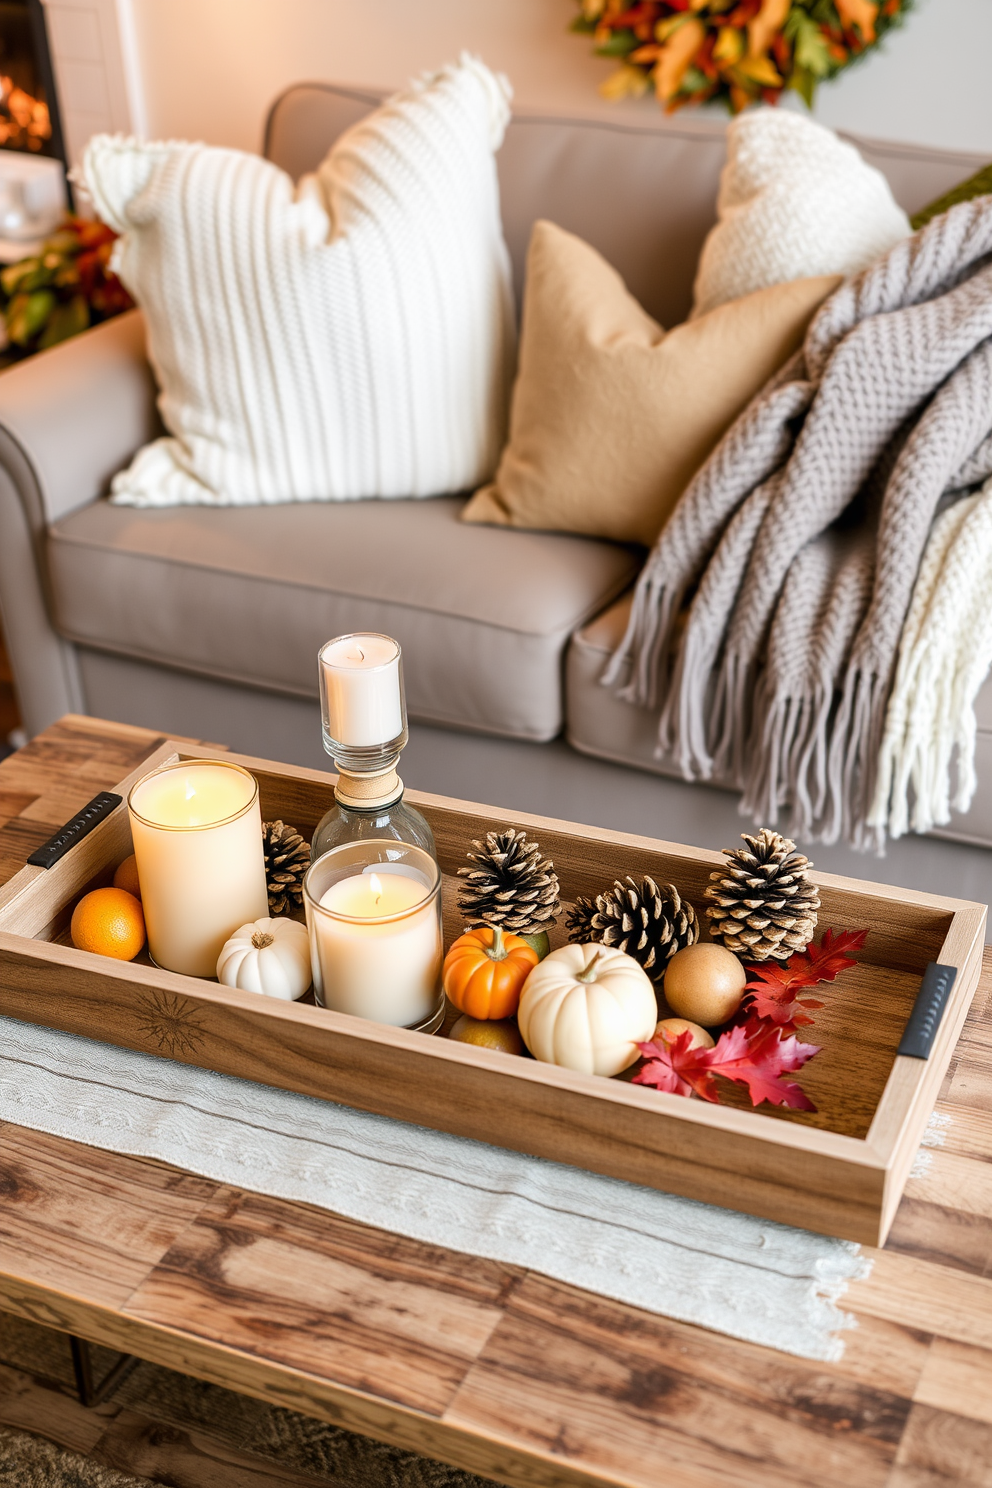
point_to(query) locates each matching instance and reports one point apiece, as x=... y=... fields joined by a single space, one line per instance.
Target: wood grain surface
x=501 y=1371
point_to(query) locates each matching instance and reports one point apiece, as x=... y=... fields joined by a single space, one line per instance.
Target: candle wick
x=361 y=653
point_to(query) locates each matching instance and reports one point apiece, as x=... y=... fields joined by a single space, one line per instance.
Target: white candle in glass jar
x=197 y=832
x=360 y=682
x=377 y=951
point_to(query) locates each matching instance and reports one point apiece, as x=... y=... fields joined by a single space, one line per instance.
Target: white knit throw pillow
x=352 y=337
x=794 y=201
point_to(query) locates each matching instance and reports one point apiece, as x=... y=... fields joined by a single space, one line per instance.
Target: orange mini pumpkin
x=485 y=970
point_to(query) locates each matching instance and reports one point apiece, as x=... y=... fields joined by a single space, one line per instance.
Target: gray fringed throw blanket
x=802 y=535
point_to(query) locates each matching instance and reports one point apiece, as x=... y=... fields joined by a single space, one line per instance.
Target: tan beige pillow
x=611 y=416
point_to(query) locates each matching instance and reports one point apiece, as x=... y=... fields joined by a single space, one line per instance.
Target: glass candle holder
x=196 y=826
x=363 y=708
x=373 y=911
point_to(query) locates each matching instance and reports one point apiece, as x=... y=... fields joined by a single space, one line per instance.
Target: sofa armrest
x=75 y=415
x=70 y=418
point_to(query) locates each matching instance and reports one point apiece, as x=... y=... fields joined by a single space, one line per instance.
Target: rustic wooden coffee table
x=490 y=1367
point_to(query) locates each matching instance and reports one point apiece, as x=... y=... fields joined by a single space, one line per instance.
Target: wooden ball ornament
x=672 y=1027
x=705 y=984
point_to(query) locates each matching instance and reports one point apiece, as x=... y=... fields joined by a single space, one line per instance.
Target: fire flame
x=24 y=121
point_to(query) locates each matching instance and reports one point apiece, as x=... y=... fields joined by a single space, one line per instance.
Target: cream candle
x=375 y=934
x=361 y=691
x=196 y=826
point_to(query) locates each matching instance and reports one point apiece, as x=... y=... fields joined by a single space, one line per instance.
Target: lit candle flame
x=375 y=886
x=190 y=790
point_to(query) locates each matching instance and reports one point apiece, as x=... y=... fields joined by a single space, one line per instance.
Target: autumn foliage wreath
x=736 y=51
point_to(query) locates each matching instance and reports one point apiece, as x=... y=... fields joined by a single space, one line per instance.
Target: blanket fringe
x=944 y=656
x=932 y=742
x=639 y=667
x=788 y=758
x=682 y=724
x=728 y=719
x=815 y=757
x=856 y=739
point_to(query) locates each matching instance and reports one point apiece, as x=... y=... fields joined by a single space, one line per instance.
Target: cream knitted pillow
x=351 y=338
x=794 y=201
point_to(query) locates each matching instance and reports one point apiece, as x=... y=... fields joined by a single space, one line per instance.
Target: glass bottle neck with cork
x=360 y=811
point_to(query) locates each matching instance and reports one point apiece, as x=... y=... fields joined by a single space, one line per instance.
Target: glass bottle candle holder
x=363 y=712
x=196 y=826
x=373 y=911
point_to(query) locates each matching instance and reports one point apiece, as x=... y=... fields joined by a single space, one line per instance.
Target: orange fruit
x=109 y=922
x=491 y=1033
x=126 y=877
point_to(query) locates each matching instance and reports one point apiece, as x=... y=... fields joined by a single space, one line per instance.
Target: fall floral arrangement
x=61 y=290
x=735 y=51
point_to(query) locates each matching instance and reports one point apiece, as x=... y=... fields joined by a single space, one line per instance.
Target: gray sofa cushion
x=249 y=594
x=596 y=720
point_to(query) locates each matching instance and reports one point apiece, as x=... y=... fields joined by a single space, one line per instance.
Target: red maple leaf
x=755 y=1054
x=771 y=987
x=758 y=1057
x=671 y=1065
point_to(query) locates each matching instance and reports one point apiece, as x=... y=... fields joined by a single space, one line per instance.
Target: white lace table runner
x=749 y=1278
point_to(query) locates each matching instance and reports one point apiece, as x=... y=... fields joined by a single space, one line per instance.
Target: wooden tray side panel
x=914 y=1084
x=813 y=1179
x=32 y=901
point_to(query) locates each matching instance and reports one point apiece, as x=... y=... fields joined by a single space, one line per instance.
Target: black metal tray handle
x=48 y=854
x=928 y=1009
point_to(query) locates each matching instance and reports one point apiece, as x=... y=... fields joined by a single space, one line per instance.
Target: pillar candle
x=197 y=832
x=376 y=944
x=360 y=683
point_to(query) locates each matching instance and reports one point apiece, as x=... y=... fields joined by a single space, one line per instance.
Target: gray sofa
x=208 y=621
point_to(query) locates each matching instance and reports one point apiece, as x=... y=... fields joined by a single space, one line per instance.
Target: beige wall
x=211 y=67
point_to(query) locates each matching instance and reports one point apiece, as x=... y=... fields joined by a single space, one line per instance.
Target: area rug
x=292 y=1441
x=31 y=1462
x=749 y=1278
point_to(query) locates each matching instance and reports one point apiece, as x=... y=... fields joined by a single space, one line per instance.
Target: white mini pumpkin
x=587 y=1007
x=267 y=956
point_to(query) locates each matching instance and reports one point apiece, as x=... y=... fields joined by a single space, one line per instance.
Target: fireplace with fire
x=32 y=156
x=28 y=114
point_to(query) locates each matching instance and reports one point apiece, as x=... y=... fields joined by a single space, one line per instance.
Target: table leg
x=82 y=1366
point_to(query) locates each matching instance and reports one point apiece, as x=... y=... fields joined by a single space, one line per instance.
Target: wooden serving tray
x=840 y=1170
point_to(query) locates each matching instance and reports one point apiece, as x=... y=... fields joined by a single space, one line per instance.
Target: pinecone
x=648 y=922
x=764 y=906
x=287 y=858
x=511 y=885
